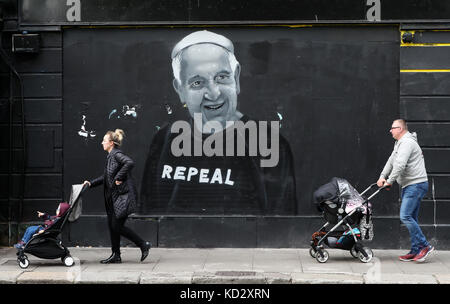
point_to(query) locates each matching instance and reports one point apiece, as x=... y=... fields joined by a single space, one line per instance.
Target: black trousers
x=117 y=229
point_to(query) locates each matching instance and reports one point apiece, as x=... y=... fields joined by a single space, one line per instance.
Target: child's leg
x=29 y=233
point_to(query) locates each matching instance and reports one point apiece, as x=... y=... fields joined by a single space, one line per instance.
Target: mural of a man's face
x=208 y=84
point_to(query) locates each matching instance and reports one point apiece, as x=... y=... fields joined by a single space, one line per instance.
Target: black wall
x=425 y=103
x=40 y=185
x=337 y=87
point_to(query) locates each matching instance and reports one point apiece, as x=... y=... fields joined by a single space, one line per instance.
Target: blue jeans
x=29 y=233
x=409 y=213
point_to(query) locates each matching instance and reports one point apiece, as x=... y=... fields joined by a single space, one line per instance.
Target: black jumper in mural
x=234 y=179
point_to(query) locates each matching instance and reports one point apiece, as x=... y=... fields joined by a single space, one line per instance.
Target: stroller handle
x=376 y=192
x=85 y=187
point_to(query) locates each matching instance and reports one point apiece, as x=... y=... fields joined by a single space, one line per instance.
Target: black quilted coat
x=120 y=200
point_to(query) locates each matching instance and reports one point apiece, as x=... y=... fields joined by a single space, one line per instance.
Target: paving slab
x=383 y=265
x=277 y=261
x=228 y=277
x=443 y=278
x=277 y=278
x=226 y=259
x=338 y=262
x=329 y=267
x=46 y=277
x=326 y=278
x=166 y=278
x=9 y=276
x=395 y=278
x=108 y=277
x=181 y=260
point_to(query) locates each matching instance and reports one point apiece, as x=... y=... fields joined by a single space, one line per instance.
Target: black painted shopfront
x=333 y=74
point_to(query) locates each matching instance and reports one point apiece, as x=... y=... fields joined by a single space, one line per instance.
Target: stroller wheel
x=369 y=253
x=312 y=252
x=354 y=252
x=68 y=261
x=23 y=262
x=322 y=256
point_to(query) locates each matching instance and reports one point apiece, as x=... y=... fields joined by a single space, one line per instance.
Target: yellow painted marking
x=426 y=71
x=402 y=44
x=424 y=44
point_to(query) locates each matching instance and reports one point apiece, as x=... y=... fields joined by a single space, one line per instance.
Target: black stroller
x=46 y=245
x=350 y=215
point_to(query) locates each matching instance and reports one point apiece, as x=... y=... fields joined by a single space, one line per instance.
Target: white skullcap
x=202 y=37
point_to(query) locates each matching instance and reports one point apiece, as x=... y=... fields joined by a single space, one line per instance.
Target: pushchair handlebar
x=84 y=188
x=376 y=192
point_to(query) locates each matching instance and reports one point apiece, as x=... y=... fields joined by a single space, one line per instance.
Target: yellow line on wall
x=429 y=44
x=426 y=71
x=424 y=44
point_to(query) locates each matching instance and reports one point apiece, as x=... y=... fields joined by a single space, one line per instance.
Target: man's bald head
x=402 y=123
x=399 y=128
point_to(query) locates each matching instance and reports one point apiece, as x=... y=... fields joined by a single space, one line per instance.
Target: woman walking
x=120 y=195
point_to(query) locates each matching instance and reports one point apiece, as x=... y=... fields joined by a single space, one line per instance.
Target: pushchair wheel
x=312 y=252
x=322 y=256
x=23 y=262
x=354 y=252
x=363 y=258
x=68 y=261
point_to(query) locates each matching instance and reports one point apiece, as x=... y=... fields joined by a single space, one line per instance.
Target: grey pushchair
x=349 y=213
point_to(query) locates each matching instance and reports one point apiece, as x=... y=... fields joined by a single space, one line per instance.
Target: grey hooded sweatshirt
x=406 y=165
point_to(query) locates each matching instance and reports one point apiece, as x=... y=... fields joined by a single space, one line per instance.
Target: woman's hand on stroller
x=87 y=182
x=40 y=214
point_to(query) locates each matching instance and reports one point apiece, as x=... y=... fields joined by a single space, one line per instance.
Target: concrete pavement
x=225 y=265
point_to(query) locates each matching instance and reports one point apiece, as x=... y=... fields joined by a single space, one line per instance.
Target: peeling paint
x=83 y=132
x=129 y=111
x=114 y=111
x=280 y=117
x=169 y=109
x=126 y=112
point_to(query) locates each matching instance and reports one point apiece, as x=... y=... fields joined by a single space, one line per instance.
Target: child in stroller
x=349 y=213
x=46 y=244
x=48 y=222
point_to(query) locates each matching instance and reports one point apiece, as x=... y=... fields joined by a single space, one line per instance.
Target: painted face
x=396 y=130
x=208 y=85
x=107 y=143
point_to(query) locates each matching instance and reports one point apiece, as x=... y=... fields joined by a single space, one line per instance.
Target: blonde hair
x=116 y=136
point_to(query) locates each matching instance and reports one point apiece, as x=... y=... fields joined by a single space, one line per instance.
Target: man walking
x=406 y=165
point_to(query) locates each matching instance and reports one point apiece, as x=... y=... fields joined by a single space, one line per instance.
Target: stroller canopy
x=338 y=190
x=75 y=202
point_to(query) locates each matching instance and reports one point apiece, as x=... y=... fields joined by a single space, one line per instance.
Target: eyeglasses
x=395 y=128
